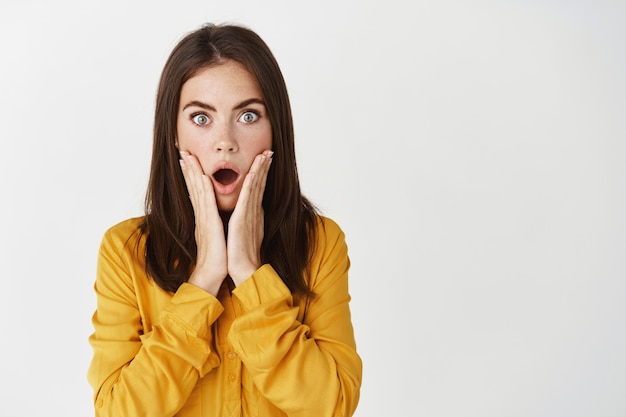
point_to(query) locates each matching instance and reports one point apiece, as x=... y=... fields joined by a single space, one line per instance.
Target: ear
x=176 y=142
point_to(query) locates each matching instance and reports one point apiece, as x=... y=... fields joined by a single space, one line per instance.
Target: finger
x=254 y=183
x=261 y=177
x=199 y=186
x=192 y=172
x=266 y=169
x=261 y=168
x=185 y=164
x=187 y=174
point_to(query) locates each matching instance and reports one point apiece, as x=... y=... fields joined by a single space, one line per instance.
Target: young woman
x=230 y=296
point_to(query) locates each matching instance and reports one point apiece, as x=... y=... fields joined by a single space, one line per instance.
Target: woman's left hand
x=246 y=224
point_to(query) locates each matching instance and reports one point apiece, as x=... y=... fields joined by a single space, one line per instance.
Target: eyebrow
x=206 y=106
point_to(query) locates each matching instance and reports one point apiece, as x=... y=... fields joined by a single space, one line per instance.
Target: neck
x=225 y=215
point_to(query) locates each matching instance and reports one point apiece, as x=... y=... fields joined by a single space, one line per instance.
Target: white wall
x=473 y=153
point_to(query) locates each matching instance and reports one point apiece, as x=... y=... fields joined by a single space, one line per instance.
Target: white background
x=473 y=152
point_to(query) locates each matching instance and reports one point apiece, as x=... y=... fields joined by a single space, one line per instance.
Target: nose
x=225 y=141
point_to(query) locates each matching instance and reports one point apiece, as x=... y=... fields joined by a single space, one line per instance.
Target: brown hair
x=290 y=218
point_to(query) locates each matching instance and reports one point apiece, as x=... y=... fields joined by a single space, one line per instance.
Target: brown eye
x=200 y=119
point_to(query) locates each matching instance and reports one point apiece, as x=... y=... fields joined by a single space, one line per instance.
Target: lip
x=225 y=188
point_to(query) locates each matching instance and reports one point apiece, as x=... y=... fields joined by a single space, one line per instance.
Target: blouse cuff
x=194 y=309
x=262 y=287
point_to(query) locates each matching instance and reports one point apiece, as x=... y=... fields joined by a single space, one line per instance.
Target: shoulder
x=124 y=232
x=329 y=237
x=329 y=262
x=328 y=228
x=126 y=228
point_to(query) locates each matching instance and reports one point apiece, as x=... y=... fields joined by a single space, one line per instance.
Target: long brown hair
x=290 y=218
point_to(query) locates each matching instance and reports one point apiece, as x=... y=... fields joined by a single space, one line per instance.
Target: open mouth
x=225 y=176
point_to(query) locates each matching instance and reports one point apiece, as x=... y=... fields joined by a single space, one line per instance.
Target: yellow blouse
x=255 y=350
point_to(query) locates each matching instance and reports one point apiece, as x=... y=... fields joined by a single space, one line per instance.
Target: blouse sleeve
x=308 y=368
x=137 y=371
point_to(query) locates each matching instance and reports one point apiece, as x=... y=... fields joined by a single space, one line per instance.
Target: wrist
x=205 y=281
x=239 y=275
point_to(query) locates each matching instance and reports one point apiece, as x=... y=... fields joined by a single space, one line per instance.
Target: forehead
x=228 y=79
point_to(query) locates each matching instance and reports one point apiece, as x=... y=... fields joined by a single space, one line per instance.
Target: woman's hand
x=211 y=261
x=246 y=224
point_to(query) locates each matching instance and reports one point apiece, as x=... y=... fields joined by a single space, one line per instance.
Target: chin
x=227 y=204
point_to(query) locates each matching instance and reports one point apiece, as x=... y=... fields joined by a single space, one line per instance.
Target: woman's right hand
x=211 y=262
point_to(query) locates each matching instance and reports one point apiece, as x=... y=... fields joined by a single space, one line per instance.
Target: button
x=231 y=355
x=232 y=377
x=99 y=403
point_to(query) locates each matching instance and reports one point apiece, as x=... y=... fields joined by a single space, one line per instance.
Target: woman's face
x=222 y=120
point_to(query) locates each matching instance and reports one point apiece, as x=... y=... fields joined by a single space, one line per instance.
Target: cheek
x=187 y=138
x=263 y=140
x=182 y=134
x=254 y=141
x=268 y=141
